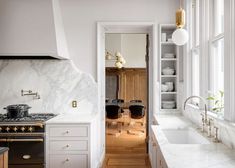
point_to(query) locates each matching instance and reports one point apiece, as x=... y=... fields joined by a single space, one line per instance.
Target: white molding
x=125 y=27
x=229 y=60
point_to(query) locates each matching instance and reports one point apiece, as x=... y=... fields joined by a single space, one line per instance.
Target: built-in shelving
x=166 y=47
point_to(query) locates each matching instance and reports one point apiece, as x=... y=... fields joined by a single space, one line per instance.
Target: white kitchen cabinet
x=156 y=158
x=71 y=145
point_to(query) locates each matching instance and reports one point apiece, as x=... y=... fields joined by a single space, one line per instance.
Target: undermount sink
x=184 y=136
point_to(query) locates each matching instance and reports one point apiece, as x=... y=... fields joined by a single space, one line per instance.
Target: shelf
x=168 y=76
x=168 y=92
x=167 y=43
x=169 y=59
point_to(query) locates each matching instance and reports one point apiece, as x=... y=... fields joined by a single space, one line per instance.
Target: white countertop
x=214 y=155
x=70 y=118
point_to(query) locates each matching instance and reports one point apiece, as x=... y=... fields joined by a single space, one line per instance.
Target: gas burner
x=31 y=118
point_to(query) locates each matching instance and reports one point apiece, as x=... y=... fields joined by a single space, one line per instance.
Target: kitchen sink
x=184 y=136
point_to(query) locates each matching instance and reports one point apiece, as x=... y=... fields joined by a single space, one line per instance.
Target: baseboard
x=101 y=160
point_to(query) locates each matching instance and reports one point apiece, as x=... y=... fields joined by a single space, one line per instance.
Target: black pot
x=17 y=111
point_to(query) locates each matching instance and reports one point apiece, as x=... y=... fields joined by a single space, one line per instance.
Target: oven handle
x=22 y=140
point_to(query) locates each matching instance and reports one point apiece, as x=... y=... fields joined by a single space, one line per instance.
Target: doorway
x=126 y=91
x=125 y=28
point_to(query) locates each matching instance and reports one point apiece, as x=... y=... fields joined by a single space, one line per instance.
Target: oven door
x=24 y=152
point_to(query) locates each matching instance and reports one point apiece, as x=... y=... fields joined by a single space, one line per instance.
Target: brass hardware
x=67 y=146
x=7 y=129
x=22 y=129
x=30 y=129
x=209 y=124
x=180 y=18
x=67 y=160
x=74 y=104
x=67 y=132
x=19 y=134
x=21 y=140
x=0 y=129
x=30 y=93
x=15 y=129
x=216 y=139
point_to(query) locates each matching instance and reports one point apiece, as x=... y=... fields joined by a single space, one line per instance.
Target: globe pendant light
x=180 y=35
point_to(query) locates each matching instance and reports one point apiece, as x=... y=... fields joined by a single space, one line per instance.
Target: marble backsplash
x=58 y=83
x=226 y=129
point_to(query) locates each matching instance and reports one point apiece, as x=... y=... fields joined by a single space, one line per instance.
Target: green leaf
x=221 y=93
x=216 y=102
x=210 y=98
x=214 y=109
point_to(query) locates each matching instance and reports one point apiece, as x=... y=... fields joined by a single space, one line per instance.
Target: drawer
x=68 y=161
x=76 y=145
x=69 y=131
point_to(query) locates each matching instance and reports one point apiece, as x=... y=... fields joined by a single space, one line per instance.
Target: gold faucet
x=204 y=117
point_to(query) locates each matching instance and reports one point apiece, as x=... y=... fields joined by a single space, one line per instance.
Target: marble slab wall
x=58 y=83
x=226 y=129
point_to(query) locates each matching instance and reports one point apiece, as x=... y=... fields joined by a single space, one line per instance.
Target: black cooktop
x=31 y=118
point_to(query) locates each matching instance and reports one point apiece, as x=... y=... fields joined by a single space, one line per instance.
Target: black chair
x=117 y=101
x=113 y=111
x=137 y=111
x=113 y=114
x=136 y=101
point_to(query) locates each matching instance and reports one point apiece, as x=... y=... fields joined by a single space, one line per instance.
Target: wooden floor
x=126 y=150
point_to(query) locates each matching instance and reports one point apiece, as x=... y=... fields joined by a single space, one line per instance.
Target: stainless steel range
x=24 y=137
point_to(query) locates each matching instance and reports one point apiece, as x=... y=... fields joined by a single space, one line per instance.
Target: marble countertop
x=213 y=155
x=71 y=118
x=3 y=149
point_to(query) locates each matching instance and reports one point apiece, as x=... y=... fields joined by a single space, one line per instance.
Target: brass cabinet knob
x=67 y=132
x=15 y=129
x=0 y=129
x=22 y=129
x=67 y=145
x=7 y=129
x=30 y=129
x=67 y=160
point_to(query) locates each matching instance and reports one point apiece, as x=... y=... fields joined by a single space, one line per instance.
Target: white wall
x=80 y=18
x=131 y=46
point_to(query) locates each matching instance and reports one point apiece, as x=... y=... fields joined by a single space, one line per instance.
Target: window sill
x=213 y=115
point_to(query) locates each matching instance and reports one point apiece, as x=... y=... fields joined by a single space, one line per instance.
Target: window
x=216 y=59
x=195 y=53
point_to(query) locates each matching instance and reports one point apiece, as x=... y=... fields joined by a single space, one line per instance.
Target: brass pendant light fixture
x=180 y=35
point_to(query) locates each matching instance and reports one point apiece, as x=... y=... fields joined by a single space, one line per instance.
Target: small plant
x=218 y=102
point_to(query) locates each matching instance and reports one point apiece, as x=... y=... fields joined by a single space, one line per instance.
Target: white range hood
x=32 y=28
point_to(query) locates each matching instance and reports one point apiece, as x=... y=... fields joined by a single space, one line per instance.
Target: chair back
x=112 y=111
x=117 y=101
x=137 y=111
x=136 y=101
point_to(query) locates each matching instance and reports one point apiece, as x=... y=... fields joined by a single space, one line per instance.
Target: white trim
x=125 y=27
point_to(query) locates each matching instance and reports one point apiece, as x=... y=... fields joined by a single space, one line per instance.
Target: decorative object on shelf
x=168 y=71
x=120 y=61
x=169 y=55
x=168 y=104
x=164 y=88
x=30 y=93
x=180 y=35
x=170 y=86
x=163 y=37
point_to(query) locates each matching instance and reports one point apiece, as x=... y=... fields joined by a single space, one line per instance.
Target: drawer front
x=69 y=131
x=68 y=161
x=77 y=145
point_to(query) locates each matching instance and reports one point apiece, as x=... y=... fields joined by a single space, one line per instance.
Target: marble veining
x=190 y=155
x=57 y=81
x=226 y=129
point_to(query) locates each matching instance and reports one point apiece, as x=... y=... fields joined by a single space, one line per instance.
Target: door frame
x=126 y=27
